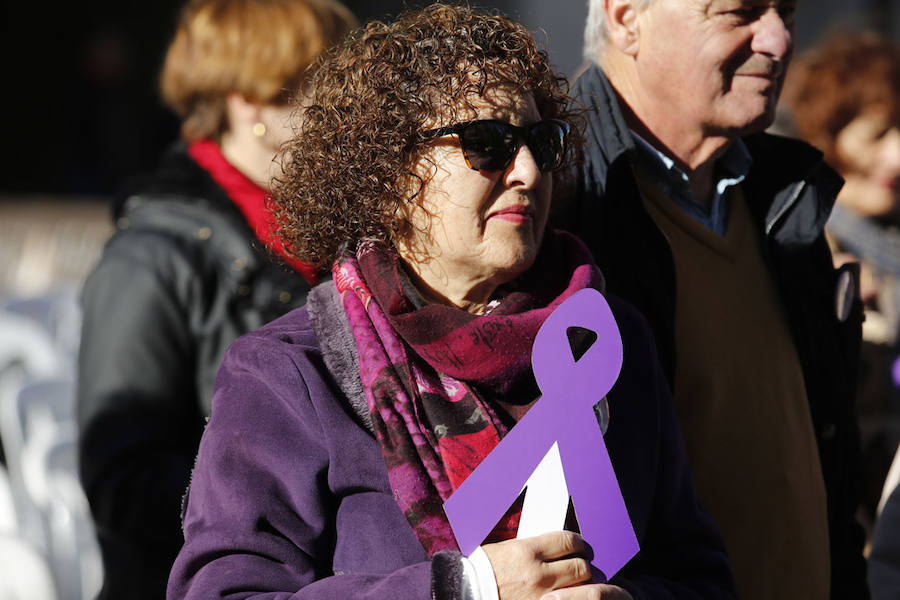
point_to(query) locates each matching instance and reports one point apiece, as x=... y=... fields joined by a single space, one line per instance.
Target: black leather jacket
x=181 y=279
x=791 y=191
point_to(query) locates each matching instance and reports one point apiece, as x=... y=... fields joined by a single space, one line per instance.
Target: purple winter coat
x=290 y=496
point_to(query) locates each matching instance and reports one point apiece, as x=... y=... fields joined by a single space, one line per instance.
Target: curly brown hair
x=347 y=171
x=830 y=85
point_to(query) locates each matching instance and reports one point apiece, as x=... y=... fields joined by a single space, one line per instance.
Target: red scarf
x=250 y=199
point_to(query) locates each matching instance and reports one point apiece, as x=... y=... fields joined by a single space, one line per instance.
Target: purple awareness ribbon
x=565 y=415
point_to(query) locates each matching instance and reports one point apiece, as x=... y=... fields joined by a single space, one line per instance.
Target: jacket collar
x=607 y=133
x=178 y=175
x=332 y=328
x=792 y=188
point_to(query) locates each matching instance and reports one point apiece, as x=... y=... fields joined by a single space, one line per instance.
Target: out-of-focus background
x=81 y=115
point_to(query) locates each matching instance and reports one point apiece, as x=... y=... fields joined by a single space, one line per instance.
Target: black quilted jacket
x=181 y=279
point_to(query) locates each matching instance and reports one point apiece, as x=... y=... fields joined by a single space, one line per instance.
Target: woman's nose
x=523 y=172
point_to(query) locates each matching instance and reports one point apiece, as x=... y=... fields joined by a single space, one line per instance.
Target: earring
x=259 y=129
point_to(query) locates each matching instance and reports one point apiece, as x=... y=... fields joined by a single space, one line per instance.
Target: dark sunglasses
x=490 y=145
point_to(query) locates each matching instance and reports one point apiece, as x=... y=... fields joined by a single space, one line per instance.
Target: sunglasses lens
x=488 y=145
x=547 y=142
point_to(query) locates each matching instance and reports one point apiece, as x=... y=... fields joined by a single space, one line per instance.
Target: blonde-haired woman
x=192 y=266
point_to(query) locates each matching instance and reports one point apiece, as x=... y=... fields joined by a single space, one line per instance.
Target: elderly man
x=714 y=231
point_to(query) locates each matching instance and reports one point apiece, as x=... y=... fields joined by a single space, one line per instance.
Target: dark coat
x=790 y=191
x=291 y=498
x=182 y=277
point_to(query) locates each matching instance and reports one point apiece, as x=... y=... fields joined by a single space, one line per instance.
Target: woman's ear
x=622 y=25
x=243 y=115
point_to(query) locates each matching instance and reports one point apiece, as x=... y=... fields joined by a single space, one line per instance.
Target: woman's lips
x=514 y=214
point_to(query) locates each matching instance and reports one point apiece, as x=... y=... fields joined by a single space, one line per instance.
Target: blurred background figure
x=843 y=96
x=192 y=265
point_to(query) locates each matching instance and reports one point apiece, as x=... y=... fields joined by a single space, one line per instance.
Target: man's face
x=716 y=64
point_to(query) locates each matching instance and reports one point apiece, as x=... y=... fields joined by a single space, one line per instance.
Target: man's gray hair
x=595 y=34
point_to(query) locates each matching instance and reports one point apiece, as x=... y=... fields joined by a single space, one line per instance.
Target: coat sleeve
x=682 y=554
x=260 y=516
x=138 y=415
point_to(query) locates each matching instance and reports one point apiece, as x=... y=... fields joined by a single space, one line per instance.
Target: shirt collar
x=732 y=166
x=730 y=169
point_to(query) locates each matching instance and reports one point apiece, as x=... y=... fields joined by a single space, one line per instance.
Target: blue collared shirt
x=730 y=170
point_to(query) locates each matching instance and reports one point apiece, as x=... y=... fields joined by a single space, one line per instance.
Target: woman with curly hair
x=423 y=175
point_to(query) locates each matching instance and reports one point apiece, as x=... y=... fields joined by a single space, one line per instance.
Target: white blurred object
x=24 y=575
x=74 y=547
x=890 y=482
x=52 y=520
x=58 y=314
x=26 y=347
x=17 y=429
x=7 y=507
x=53 y=509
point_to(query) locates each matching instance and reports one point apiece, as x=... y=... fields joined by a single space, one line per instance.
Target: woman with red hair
x=193 y=265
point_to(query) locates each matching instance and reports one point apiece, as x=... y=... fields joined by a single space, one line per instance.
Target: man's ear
x=622 y=25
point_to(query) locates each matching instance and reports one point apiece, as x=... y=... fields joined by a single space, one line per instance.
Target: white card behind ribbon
x=546 y=497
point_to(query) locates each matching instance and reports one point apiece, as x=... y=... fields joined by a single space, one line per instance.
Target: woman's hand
x=532 y=568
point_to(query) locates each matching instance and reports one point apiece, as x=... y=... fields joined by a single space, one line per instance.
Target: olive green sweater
x=742 y=406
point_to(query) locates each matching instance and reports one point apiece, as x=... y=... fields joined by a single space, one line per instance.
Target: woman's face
x=474 y=230
x=869 y=149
